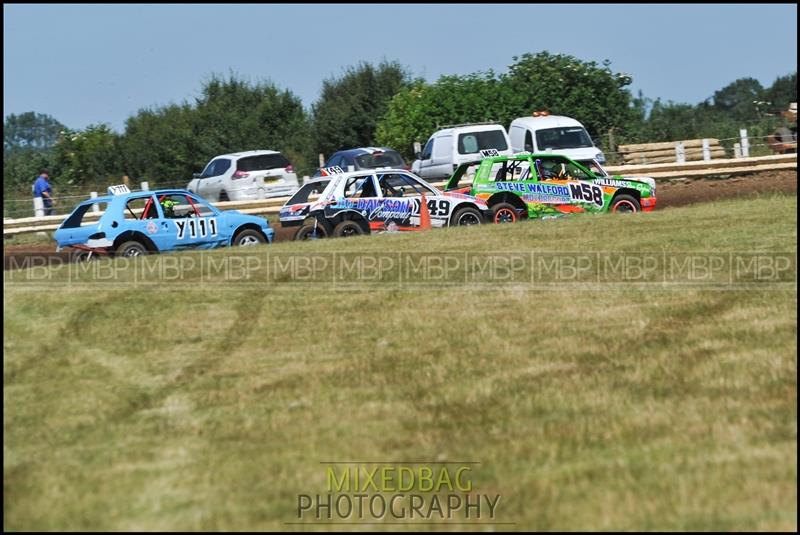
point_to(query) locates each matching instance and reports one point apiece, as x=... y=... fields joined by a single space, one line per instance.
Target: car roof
x=548 y=121
x=246 y=153
x=469 y=128
x=109 y=198
x=362 y=150
x=520 y=155
x=317 y=179
x=369 y=172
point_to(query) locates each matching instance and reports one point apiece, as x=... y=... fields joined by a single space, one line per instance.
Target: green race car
x=540 y=186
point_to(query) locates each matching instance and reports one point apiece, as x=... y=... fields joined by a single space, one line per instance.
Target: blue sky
x=88 y=63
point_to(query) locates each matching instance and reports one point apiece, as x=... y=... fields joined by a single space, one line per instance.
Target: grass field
x=209 y=404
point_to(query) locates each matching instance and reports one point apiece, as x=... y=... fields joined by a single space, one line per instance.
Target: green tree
x=782 y=91
x=88 y=156
x=350 y=106
x=28 y=140
x=20 y=168
x=561 y=84
x=564 y=85
x=159 y=145
x=30 y=130
x=739 y=98
x=231 y=115
x=234 y=115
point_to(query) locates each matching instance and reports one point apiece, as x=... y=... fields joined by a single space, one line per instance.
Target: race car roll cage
x=149 y=206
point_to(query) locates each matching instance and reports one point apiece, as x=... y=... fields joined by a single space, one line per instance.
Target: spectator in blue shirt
x=41 y=188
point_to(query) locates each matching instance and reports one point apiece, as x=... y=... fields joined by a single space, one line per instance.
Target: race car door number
x=439 y=207
x=196 y=227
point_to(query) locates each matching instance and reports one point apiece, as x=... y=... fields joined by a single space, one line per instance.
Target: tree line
x=381 y=104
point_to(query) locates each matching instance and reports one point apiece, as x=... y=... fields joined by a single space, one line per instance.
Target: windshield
x=572 y=137
x=477 y=141
x=313 y=188
x=379 y=159
x=463 y=176
x=595 y=167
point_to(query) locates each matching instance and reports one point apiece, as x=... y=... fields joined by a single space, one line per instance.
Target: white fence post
x=745 y=143
x=706 y=150
x=680 y=152
x=38 y=207
x=145 y=186
x=737 y=150
x=95 y=206
x=321 y=159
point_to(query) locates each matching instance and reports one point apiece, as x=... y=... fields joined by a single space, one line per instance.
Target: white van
x=448 y=148
x=553 y=133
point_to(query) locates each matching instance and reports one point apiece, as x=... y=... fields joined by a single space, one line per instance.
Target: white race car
x=348 y=204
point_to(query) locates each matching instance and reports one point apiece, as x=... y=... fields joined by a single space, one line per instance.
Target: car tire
x=223 y=196
x=504 y=213
x=467 y=216
x=346 y=229
x=310 y=231
x=248 y=238
x=131 y=248
x=625 y=204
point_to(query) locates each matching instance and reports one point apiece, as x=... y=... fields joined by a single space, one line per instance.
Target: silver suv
x=255 y=174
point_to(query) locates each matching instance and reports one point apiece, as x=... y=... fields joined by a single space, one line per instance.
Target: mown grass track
x=189 y=406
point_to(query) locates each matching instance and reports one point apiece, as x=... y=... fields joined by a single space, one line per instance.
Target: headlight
x=600 y=157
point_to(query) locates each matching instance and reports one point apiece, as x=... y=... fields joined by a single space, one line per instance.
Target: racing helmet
x=168 y=205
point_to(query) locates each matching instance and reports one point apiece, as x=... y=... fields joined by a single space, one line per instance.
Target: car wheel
x=223 y=196
x=467 y=216
x=131 y=248
x=504 y=213
x=248 y=238
x=345 y=229
x=625 y=204
x=310 y=231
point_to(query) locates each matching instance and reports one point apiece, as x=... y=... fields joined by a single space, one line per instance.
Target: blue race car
x=155 y=221
x=364 y=158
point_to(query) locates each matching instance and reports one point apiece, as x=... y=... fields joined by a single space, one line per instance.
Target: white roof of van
x=548 y=121
x=471 y=128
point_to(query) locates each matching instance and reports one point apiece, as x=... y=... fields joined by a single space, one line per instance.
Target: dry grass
x=171 y=407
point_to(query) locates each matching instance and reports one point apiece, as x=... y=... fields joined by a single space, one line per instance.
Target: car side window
x=427 y=151
x=360 y=187
x=510 y=170
x=175 y=206
x=576 y=172
x=559 y=169
x=201 y=207
x=401 y=185
x=216 y=168
x=140 y=208
x=469 y=143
